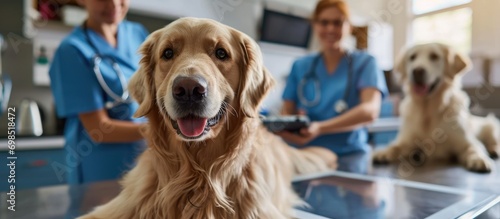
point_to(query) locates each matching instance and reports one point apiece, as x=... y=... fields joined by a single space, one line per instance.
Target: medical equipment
x=97 y=59
x=340 y=105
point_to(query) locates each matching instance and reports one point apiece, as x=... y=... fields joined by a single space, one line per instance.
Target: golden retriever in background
x=200 y=84
x=436 y=122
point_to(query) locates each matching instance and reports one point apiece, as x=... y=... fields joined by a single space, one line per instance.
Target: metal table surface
x=359 y=189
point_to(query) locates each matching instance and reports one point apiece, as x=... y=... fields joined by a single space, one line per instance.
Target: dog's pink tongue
x=192 y=126
x=421 y=89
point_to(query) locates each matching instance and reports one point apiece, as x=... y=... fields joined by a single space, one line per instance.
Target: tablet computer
x=286 y=123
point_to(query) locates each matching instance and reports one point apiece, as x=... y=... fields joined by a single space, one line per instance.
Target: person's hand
x=306 y=134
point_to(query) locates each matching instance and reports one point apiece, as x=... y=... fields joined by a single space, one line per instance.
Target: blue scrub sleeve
x=144 y=32
x=371 y=75
x=292 y=82
x=73 y=82
x=138 y=31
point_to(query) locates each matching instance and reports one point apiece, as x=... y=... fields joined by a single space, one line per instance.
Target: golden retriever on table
x=436 y=122
x=200 y=84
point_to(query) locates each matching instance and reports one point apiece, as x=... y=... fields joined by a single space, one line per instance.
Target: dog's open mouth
x=193 y=126
x=424 y=89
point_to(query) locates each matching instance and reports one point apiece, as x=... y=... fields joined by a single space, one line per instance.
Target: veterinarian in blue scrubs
x=340 y=90
x=102 y=138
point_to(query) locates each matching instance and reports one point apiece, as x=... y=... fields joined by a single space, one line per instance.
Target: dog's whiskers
x=163 y=108
x=230 y=109
x=227 y=122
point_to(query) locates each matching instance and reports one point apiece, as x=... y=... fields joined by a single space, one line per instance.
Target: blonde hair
x=324 y=4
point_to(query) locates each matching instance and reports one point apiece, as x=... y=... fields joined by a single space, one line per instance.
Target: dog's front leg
x=472 y=155
x=489 y=134
x=492 y=145
x=391 y=153
x=401 y=147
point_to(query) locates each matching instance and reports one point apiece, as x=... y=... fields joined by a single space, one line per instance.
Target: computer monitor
x=285 y=29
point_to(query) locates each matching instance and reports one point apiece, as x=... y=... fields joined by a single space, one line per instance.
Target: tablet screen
x=344 y=197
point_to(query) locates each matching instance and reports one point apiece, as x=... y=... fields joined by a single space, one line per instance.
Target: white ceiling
x=362 y=10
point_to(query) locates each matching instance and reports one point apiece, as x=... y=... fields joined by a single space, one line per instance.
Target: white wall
x=485 y=28
x=244 y=16
x=362 y=10
x=380 y=44
x=486 y=36
x=301 y=8
x=174 y=8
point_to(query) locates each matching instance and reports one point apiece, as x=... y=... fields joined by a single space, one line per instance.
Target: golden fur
x=439 y=124
x=238 y=169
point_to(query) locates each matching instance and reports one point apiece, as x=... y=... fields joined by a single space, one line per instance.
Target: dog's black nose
x=419 y=75
x=189 y=89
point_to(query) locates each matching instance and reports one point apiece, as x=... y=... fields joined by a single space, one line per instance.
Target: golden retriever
x=436 y=121
x=200 y=84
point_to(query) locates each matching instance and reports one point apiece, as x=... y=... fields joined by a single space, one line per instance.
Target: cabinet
x=34 y=168
x=12 y=22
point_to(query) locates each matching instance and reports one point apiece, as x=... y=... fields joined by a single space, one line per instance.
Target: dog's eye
x=168 y=54
x=433 y=57
x=221 y=54
x=413 y=57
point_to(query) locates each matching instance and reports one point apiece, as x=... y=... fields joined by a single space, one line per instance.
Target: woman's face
x=106 y=11
x=330 y=27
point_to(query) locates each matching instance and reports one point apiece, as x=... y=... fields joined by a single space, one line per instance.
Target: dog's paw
x=478 y=164
x=493 y=154
x=383 y=157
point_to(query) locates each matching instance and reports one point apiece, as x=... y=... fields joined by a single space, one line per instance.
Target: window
x=425 y=6
x=446 y=21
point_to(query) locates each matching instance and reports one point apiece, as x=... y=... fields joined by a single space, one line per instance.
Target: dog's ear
x=400 y=66
x=141 y=85
x=457 y=62
x=255 y=80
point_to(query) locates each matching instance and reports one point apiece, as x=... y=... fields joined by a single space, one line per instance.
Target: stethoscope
x=97 y=59
x=340 y=105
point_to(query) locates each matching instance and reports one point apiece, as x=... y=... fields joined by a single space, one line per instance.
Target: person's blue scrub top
x=365 y=73
x=76 y=90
